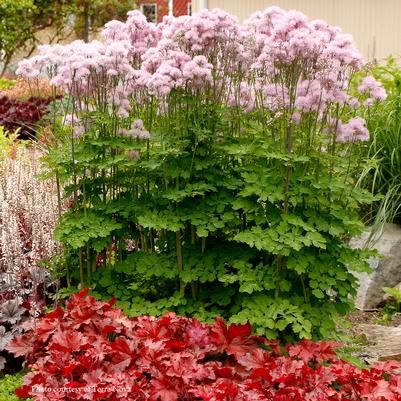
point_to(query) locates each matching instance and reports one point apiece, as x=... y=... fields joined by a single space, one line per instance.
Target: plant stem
x=179 y=259
x=81 y=268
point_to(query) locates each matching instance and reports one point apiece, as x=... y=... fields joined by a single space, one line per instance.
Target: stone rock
x=385 y=342
x=386 y=270
x=388 y=298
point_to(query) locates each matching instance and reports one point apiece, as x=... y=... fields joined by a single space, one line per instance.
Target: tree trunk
x=86 y=22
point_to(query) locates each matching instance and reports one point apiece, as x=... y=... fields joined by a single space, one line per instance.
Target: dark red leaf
x=23 y=392
x=56 y=314
x=239 y=330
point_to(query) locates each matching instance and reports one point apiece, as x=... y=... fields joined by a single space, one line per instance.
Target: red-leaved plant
x=91 y=351
x=23 y=114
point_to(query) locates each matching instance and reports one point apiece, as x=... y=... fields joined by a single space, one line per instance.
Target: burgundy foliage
x=24 y=114
x=91 y=351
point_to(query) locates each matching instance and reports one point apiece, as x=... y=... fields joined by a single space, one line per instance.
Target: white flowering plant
x=28 y=217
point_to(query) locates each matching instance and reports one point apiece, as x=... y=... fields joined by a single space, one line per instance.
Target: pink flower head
x=28 y=68
x=354 y=102
x=368 y=83
x=355 y=130
x=296 y=118
x=334 y=126
x=78 y=130
x=368 y=102
x=311 y=96
x=138 y=124
x=123 y=132
x=142 y=35
x=137 y=130
x=373 y=88
x=115 y=31
x=198 y=70
x=274 y=96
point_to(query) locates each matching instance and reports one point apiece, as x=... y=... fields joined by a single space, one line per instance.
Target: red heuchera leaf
x=224 y=372
x=70 y=368
x=307 y=350
x=377 y=391
x=46 y=328
x=239 y=330
x=176 y=345
x=83 y=293
x=163 y=391
x=108 y=329
x=21 y=345
x=176 y=358
x=68 y=341
x=112 y=301
x=23 y=392
x=235 y=340
x=56 y=314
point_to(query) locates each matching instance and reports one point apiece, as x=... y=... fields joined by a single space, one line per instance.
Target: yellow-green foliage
x=7 y=143
x=8 y=385
x=6 y=83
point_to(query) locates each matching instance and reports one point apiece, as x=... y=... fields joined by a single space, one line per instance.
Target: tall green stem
x=178 y=246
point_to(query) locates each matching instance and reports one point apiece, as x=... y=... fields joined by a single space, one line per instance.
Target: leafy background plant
x=382 y=173
x=23 y=115
x=6 y=84
x=21 y=89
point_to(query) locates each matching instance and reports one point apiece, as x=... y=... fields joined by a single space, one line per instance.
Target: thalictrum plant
x=211 y=166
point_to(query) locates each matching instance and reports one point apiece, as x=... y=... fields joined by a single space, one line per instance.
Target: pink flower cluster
x=73 y=67
x=136 y=32
x=373 y=88
x=317 y=59
x=166 y=67
x=204 y=33
x=137 y=130
x=274 y=97
x=276 y=61
x=354 y=130
x=310 y=96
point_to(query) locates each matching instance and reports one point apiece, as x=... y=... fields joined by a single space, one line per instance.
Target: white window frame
x=152 y=5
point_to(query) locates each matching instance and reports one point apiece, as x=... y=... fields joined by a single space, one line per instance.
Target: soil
x=374 y=317
x=371 y=317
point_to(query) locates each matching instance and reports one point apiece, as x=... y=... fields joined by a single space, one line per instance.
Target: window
x=189 y=8
x=149 y=11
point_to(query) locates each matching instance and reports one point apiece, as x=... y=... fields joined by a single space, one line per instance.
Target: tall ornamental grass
x=382 y=175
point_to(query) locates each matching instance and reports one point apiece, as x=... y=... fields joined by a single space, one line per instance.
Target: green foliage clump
x=215 y=228
x=6 y=83
x=8 y=385
x=382 y=175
